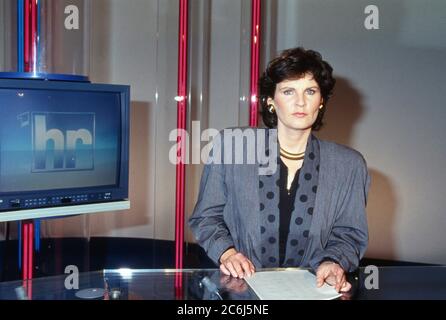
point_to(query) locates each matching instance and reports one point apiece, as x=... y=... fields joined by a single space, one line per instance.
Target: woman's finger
x=339 y=284
x=225 y=270
x=246 y=267
x=231 y=269
x=253 y=269
x=340 y=279
x=347 y=287
x=321 y=275
x=238 y=268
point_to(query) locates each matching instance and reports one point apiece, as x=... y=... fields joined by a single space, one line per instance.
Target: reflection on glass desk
x=210 y=284
x=127 y=284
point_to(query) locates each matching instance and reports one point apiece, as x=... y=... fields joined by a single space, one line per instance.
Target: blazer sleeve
x=348 y=238
x=207 y=222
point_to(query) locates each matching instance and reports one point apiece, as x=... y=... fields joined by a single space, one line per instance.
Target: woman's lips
x=299 y=115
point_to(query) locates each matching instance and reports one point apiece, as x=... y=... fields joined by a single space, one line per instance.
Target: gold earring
x=320 y=108
x=271 y=109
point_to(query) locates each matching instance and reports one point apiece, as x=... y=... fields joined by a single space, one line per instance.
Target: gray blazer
x=227 y=210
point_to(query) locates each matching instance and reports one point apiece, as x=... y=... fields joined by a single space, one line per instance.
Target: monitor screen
x=52 y=139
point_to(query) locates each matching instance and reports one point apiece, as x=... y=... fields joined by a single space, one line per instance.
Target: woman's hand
x=235 y=264
x=334 y=275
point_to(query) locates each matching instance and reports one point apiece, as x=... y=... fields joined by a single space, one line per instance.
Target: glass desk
x=210 y=284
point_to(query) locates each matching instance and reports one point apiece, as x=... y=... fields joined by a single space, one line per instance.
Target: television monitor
x=62 y=143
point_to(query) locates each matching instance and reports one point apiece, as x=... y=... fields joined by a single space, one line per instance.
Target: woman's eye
x=311 y=91
x=288 y=92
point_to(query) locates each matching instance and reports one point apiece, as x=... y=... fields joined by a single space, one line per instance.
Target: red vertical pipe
x=27 y=272
x=28 y=249
x=181 y=140
x=32 y=49
x=255 y=62
x=27 y=36
x=25 y=250
x=30 y=56
x=33 y=36
x=30 y=38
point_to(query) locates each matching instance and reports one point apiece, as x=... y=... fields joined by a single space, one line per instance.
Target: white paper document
x=289 y=285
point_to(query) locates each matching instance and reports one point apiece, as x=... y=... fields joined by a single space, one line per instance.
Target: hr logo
x=63 y=141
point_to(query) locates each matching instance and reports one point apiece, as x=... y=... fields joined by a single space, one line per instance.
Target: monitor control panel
x=54 y=201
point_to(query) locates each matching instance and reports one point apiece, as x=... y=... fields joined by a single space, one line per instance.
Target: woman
x=308 y=213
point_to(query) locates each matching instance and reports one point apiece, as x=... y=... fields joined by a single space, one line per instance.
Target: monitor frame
x=118 y=192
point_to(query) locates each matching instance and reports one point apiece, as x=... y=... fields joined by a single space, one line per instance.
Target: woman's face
x=297 y=103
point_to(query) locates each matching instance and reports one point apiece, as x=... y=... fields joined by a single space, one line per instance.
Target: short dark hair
x=294 y=64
